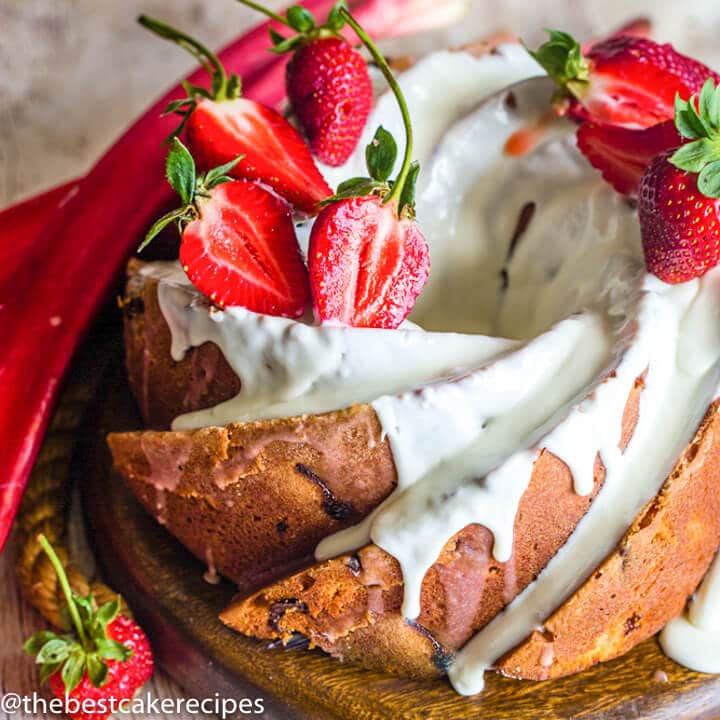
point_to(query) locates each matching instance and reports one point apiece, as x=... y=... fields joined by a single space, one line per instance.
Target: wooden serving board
x=164 y=585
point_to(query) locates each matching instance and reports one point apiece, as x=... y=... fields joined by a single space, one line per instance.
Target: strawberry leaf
x=300 y=19
x=288 y=45
x=219 y=175
x=336 y=21
x=113 y=650
x=54 y=651
x=561 y=57
x=709 y=180
x=180 y=215
x=73 y=670
x=97 y=670
x=275 y=36
x=695 y=155
x=36 y=642
x=381 y=154
x=180 y=171
x=107 y=613
x=407 y=198
x=698 y=119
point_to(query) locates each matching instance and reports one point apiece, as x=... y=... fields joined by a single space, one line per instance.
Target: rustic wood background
x=74 y=73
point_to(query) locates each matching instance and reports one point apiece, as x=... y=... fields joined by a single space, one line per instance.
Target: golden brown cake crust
x=646 y=581
x=162 y=387
x=351 y=606
x=254 y=499
x=643 y=584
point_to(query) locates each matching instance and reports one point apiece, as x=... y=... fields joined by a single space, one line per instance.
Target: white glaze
x=693 y=639
x=467 y=414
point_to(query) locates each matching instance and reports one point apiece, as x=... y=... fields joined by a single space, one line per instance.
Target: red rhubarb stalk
x=70 y=264
x=49 y=301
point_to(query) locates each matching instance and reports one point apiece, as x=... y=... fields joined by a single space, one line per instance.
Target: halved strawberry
x=367 y=265
x=624 y=80
x=623 y=154
x=221 y=126
x=238 y=240
x=679 y=203
x=275 y=153
x=243 y=251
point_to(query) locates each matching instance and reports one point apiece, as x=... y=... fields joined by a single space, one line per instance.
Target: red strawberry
x=221 y=126
x=367 y=265
x=243 y=251
x=623 y=154
x=238 y=240
x=274 y=152
x=331 y=93
x=105 y=664
x=327 y=82
x=679 y=202
x=124 y=678
x=368 y=260
x=625 y=80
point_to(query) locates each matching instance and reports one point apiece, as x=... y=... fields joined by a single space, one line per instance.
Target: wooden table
x=74 y=73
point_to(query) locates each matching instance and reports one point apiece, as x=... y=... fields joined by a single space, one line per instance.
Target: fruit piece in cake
x=327 y=81
x=108 y=660
x=221 y=125
x=623 y=154
x=679 y=201
x=368 y=260
x=238 y=240
x=625 y=80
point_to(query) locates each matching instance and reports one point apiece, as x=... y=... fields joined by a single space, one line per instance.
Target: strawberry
x=221 y=126
x=106 y=663
x=331 y=93
x=679 y=201
x=327 y=81
x=238 y=241
x=623 y=154
x=368 y=260
x=624 y=80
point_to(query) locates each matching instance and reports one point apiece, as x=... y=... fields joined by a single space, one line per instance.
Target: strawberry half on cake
x=436 y=421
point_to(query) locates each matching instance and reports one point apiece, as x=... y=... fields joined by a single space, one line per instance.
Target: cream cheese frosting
x=537 y=274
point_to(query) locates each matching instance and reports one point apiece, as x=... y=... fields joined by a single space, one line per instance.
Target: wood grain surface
x=74 y=73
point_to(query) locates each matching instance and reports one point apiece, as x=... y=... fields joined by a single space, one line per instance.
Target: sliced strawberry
x=634 y=80
x=624 y=80
x=243 y=251
x=274 y=152
x=623 y=154
x=367 y=265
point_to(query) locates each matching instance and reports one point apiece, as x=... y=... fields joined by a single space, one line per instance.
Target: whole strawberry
x=679 y=199
x=368 y=260
x=222 y=125
x=624 y=80
x=104 y=664
x=327 y=82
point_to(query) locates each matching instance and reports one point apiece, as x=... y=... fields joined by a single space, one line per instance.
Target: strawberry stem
x=202 y=54
x=65 y=585
x=272 y=15
x=397 y=191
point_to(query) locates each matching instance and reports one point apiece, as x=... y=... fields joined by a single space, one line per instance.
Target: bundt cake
x=496 y=482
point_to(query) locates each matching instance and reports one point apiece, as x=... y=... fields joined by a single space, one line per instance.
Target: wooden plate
x=164 y=585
